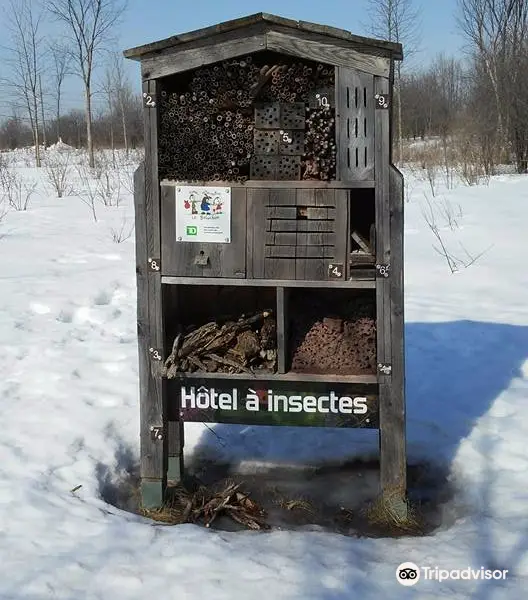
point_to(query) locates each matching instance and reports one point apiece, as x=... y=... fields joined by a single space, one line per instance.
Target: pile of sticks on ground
x=234 y=347
x=204 y=506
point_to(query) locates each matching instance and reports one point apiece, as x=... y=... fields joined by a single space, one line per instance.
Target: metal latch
x=202 y=259
x=383 y=270
x=156 y=433
x=385 y=368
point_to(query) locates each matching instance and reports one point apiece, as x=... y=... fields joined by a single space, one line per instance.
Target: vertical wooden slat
x=257 y=200
x=282 y=329
x=392 y=450
x=395 y=412
x=342 y=228
x=355 y=125
x=338 y=122
x=153 y=456
x=304 y=197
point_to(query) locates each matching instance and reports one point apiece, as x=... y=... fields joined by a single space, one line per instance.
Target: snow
x=69 y=405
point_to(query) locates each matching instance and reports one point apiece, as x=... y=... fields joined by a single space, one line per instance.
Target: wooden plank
x=281 y=212
x=316 y=252
x=304 y=198
x=193 y=55
x=321 y=49
x=175 y=465
x=320 y=213
x=341 y=247
x=276 y=267
x=315 y=238
x=285 y=238
x=152 y=464
x=361 y=241
x=301 y=226
x=353 y=283
x=369 y=380
x=394 y=413
x=224 y=260
x=392 y=441
x=279 y=252
x=356 y=125
x=270 y=184
x=369 y=45
x=257 y=200
x=282 y=330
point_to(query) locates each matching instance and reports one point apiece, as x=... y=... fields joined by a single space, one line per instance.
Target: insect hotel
x=269 y=239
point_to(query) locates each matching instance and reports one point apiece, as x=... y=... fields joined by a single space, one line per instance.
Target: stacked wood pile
x=333 y=340
x=205 y=505
x=243 y=346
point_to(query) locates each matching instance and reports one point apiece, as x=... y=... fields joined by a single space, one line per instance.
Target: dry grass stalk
x=395 y=513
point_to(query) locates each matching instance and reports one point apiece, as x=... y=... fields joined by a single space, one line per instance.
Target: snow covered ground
x=69 y=406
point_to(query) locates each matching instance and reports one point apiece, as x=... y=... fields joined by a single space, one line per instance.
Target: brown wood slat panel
x=280 y=251
x=300 y=226
x=320 y=238
x=356 y=125
x=315 y=252
x=275 y=267
x=321 y=213
x=285 y=238
x=257 y=200
x=280 y=212
x=341 y=228
x=225 y=260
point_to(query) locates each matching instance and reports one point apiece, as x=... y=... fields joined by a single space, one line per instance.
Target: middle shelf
x=266 y=332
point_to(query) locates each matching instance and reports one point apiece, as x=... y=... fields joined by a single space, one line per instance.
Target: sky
x=146 y=21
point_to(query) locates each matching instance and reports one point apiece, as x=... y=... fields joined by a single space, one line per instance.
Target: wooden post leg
x=175 y=466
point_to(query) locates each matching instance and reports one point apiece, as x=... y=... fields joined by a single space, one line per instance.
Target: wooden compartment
x=296 y=233
x=221 y=329
x=329 y=331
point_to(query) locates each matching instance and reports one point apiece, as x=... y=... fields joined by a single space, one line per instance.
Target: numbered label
x=382 y=100
x=155 y=354
x=383 y=270
x=154 y=264
x=286 y=137
x=156 y=433
x=322 y=100
x=149 y=100
x=335 y=270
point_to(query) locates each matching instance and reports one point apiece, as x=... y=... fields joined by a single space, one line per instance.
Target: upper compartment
x=264 y=98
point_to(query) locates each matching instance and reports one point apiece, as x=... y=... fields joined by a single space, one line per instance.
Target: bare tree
x=90 y=24
x=123 y=97
x=61 y=64
x=396 y=21
x=496 y=31
x=27 y=54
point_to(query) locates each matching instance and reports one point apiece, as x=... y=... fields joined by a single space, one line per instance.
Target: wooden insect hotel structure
x=269 y=239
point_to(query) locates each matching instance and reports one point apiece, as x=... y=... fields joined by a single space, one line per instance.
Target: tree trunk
x=57 y=124
x=42 y=113
x=123 y=120
x=36 y=131
x=89 y=139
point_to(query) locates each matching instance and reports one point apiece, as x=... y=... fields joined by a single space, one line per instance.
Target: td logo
x=408 y=574
x=192 y=230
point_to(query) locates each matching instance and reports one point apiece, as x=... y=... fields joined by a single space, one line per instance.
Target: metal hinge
x=382 y=100
x=156 y=433
x=154 y=264
x=149 y=100
x=385 y=368
x=155 y=354
x=383 y=270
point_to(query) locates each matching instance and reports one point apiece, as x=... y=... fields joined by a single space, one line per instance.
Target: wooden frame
x=360 y=63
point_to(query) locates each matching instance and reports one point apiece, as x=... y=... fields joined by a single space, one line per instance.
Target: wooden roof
x=270 y=23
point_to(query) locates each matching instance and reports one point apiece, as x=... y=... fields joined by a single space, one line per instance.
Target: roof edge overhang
x=362 y=44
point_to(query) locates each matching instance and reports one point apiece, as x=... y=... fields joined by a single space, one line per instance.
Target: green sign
x=192 y=230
